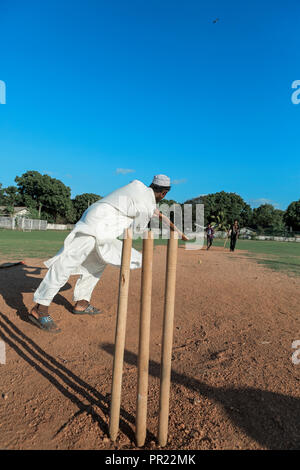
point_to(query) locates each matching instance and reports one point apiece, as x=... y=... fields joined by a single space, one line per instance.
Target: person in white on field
x=93 y=244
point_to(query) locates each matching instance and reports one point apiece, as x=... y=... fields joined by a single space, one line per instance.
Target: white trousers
x=80 y=256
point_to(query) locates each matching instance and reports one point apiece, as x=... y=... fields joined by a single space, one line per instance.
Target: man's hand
x=185 y=238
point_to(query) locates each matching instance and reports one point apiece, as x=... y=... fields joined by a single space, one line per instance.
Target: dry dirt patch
x=234 y=385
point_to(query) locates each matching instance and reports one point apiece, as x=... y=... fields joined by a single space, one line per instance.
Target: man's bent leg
x=84 y=288
x=60 y=271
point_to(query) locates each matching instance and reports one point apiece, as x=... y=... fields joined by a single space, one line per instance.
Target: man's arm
x=168 y=222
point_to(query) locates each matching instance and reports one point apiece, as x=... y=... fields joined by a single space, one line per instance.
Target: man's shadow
x=71 y=386
x=18 y=280
x=271 y=419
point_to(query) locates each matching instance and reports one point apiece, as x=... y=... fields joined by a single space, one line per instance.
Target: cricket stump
x=144 y=337
x=120 y=336
x=167 y=339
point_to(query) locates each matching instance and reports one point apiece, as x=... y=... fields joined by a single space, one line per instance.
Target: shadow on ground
x=79 y=392
x=19 y=280
x=272 y=419
x=276 y=265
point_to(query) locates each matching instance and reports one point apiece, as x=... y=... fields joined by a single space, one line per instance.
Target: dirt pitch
x=234 y=385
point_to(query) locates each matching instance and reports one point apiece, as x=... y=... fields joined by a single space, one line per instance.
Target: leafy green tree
x=292 y=215
x=231 y=205
x=219 y=222
x=82 y=202
x=42 y=192
x=169 y=202
x=33 y=214
x=267 y=218
x=12 y=197
x=246 y=215
x=9 y=210
x=1 y=195
x=279 y=223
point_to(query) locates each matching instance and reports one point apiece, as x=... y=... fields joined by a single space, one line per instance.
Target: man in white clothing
x=93 y=244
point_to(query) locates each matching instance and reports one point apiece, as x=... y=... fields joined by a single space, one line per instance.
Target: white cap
x=162 y=180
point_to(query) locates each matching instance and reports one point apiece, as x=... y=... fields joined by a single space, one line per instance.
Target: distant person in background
x=234 y=234
x=209 y=235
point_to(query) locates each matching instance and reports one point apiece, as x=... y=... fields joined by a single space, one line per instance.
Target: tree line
x=46 y=198
x=223 y=208
x=50 y=199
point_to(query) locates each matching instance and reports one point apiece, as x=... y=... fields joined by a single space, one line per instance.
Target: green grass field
x=36 y=244
x=15 y=245
x=39 y=244
x=279 y=256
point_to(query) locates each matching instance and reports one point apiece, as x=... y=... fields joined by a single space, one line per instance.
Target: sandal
x=45 y=323
x=90 y=310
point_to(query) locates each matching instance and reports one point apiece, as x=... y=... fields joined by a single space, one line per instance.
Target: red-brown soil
x=234 y=385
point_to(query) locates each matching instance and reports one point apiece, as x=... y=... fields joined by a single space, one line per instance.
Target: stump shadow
x=270 y=418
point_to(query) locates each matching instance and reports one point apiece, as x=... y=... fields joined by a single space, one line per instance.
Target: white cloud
x=124 y=171
x=182 y=181
x=260 y=201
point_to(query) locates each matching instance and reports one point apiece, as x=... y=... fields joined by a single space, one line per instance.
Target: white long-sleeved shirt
x=107 y=219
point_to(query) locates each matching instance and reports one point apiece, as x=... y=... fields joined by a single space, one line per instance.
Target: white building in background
x=247 y=232
x=20 y=211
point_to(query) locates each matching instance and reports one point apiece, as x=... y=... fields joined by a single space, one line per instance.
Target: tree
x=43 y=192
x=82 y=202
x=169 y=202
x=245 y=217
x=279 y=223
x=33 y=213
x=1 y=195
x=12 y=197
x=231 y=205
x=292 y=215
x=219 y=222
x=267 y=218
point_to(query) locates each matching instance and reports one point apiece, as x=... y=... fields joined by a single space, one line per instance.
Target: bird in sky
x=216 y=20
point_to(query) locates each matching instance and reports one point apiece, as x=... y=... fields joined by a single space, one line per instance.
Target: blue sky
x=102 y=92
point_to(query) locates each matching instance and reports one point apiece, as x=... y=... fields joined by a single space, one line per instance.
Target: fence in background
x=22 y=223
x=7 y=222
x=253 y=236
x=278 y=239
x=60 y=227
x=25 y=224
